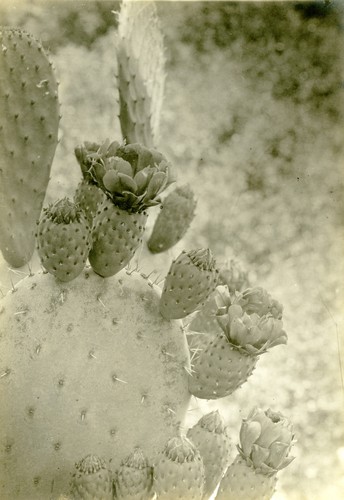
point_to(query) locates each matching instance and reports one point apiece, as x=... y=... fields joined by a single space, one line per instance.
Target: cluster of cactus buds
x=195 y=465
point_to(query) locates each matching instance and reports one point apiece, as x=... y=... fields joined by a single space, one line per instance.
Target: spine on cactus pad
x=174 y=219
x=29 y=119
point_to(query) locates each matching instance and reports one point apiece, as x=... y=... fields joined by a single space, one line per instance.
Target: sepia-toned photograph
x=171 y=250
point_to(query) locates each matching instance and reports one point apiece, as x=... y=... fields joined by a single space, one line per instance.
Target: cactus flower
x=132 y=176
x=265 y=441
x=252 y=333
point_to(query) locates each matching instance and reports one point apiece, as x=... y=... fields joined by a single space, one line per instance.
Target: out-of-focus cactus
x=29 y=118
x=174 y=219
x=140 y=72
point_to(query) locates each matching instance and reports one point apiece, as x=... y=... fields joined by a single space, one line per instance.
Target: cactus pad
x=90 y=367
x=29 y=117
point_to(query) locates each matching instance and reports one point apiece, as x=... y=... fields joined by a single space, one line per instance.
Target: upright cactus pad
x=177 y=212
x=140 y=72
x=29 y=118
x=90 y=367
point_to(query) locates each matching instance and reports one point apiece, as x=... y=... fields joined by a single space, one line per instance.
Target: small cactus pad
x=29 y=118
x=210 y=437
x=91 y=480
x=134 y=478
x=140 y=72
x=219 y=368
x=242 y=482
x=179 y=471
x=177 y=212
x=116 y=236
x=191 y=279
x=63 y=239
x=90 y=367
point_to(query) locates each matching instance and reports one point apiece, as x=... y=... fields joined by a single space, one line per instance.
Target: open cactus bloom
x=131 y=175
x=266 y=438
x=258 y=300
x=250 y=332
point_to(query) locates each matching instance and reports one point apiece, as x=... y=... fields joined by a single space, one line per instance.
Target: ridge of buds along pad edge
x=132 y=176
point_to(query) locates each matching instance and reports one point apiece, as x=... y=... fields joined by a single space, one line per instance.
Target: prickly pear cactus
x=97 y=362
x=29 y=118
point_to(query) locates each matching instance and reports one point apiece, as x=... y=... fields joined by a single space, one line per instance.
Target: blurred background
x=253 y=120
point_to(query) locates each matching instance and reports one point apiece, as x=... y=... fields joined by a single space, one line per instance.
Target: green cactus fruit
x=90 y=366
x=228 y=359
x=140 y=72
x=191 y=279
x=211 y=438
x=29 y=118
x=266 y=438
x=219 y=368
x=177 y=212
x=179 y=471
x=63 y=239
x=89 y=197
x=134 y=478
x=92 y=480
x=116 y=236
x=242 y=482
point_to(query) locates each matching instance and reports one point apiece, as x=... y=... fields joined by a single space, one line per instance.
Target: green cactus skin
x=211 y=438
x=243 y=482
x=179 y=471
x=134 y=478
x=90 y=367
x=191 y=279
x=91 y=480
x=140 y=72
x=116 y=236
x=89 y=197
x=29 y=118
x=63 y=239
x=219 y=368
x=174 y=219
